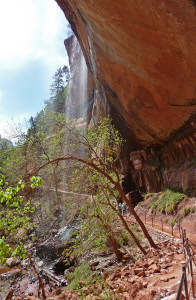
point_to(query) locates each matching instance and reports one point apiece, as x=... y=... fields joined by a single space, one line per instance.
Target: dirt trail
x=163 y=222
x=153 y=277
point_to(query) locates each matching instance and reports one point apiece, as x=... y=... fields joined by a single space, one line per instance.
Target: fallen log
x=53 y=277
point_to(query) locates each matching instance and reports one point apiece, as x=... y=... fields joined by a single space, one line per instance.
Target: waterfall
x=76 y=106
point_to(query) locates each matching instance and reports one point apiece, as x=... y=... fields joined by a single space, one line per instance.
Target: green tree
x=90 y=159
x=32 y=127
x=43 y=137
x=58 y=90
x=15 y=215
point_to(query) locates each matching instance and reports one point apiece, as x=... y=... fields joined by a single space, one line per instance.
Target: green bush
x=81 y=274
x=83 y=277
x=176 y=220
x=147 y=196
x=187 y=210
x=126 y=239
x=166 y=202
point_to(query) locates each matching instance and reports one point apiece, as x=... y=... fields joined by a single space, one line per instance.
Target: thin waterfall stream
x=76 y=106
x=76 y=110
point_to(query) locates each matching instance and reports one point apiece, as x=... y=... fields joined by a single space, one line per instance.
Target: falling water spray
x=76 y=106
x=76 y=111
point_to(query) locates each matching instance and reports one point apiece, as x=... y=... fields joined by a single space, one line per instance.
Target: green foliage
x=5 y=250
x=187 y=210
x=36 y=181
x=147 y=196
x=91 y=281
x=93 y=231
x=44 y=141
x=100 y=146
x=10 y=163
x=166 y=202
x=74 y=279
x=176 y=220
x=173 y=222
x=58 y=90
x=15 y=215
x=94 y=173
x=125 y=237
x=49 y=140
x=44 y=137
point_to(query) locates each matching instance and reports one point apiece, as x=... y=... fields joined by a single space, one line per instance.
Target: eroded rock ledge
x=142 y=58
x=172 y=165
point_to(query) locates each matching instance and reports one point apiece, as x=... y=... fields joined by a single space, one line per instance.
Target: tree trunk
x=56 y=186
x=132 y=211
x=121 y=246
x=132 y=234
x=113 y=243
x=125 y=223
x=41 y=283
x=117 y=211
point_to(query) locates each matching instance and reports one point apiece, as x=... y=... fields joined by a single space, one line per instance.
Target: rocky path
x=153 y=277
x=163 y=222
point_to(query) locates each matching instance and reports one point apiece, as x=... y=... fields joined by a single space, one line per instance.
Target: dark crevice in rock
x=194 y=3
x=188 y=128
x=184 y=105
x=128 y=184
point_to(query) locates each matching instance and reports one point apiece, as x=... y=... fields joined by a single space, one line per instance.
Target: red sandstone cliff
x=142 y=55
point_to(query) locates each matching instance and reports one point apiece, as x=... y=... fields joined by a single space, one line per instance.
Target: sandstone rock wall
x=173 y=165
x=141 y=55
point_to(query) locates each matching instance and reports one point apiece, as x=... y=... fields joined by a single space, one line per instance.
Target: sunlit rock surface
x=142 y=58
x=143 y=54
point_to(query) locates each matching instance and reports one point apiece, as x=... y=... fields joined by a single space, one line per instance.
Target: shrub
x=74 y=279
x=88 y=279
x=147 y=196
x=176 y=220
x=187 y=210
x=166 y=202
x=126 y=239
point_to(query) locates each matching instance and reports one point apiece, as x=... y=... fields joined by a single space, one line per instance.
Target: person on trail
x=120 y=207
x=124 y=209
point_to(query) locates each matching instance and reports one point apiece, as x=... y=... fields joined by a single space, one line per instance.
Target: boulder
x=11 y=262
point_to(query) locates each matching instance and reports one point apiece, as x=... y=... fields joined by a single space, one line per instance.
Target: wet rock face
x=142 y=57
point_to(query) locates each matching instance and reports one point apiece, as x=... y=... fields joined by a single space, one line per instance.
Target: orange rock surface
x=142 y=56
